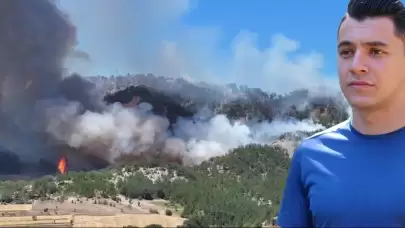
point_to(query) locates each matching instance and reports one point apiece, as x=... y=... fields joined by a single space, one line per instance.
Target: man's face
x=371 y=62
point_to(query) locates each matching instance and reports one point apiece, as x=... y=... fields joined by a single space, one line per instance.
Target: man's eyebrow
x=370 y=43
x=375 y=44
x=344 y=43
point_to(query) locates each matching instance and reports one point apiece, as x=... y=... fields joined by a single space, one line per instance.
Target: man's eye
x=375 y=51
x=346 y=53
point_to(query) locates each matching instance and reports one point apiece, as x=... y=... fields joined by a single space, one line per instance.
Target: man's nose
x=359 y=64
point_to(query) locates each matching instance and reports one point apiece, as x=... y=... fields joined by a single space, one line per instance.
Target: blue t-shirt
x=342 y=178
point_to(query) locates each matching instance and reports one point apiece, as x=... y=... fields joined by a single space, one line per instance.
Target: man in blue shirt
x=353 y=174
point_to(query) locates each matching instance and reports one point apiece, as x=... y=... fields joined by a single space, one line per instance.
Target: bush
x=153 y=211
x=168 y=213
x=154 y=226
x=147 y=196
x=160 y=194
x=115 y=198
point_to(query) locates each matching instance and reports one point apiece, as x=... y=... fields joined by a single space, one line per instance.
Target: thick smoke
x=43 y=112
x=34 y=38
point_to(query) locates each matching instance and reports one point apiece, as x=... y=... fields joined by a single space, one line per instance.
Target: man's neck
x=382 y=121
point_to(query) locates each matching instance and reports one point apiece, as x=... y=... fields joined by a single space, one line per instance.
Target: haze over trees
x=242 y=188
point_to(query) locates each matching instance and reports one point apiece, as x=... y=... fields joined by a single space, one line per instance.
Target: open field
x=87 y=213
x=41 y=221
x=140 y=220
x=15 y=207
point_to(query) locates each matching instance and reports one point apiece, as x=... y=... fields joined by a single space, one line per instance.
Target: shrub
x=153 y=211
x=154 y=226
x=168 y=213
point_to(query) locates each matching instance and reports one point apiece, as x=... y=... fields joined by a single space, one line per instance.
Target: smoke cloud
x=34 y=39
x=43 y=109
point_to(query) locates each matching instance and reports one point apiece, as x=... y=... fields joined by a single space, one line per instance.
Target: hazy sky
x=259 y=42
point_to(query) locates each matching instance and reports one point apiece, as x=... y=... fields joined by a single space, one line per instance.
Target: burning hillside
x=157 y=102
x=57 y=115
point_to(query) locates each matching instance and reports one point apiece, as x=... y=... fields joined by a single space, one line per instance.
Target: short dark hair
x=363 y=9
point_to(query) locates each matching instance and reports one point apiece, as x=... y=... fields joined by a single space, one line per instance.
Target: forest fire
x=62 y=165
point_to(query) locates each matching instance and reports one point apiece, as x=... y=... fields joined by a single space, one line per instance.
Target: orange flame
x=62 y=165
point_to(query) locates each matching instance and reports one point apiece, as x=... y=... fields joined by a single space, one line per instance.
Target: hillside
x=242 y=187
x=188 y=122
x=232 y=100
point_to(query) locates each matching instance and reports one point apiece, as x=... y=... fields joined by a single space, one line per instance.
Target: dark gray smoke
x=35 y=38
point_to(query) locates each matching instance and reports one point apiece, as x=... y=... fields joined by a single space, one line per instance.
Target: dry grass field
x=15 y=207
x=39 y=221
x=140 y=220
x=85 y=213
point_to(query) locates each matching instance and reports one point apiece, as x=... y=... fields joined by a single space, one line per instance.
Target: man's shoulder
x=316 y=141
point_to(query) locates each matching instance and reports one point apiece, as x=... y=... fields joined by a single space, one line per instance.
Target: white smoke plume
x=44 y=108
x=119 y=130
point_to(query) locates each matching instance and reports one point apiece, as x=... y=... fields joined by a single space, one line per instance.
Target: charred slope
x=162 y=104
x=232 y=100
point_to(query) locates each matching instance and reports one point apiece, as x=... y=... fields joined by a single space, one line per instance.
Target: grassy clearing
x=140 y=220
x=15 y=207
x=39 y=221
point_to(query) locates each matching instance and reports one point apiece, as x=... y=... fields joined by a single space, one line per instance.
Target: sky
x=277 y=46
